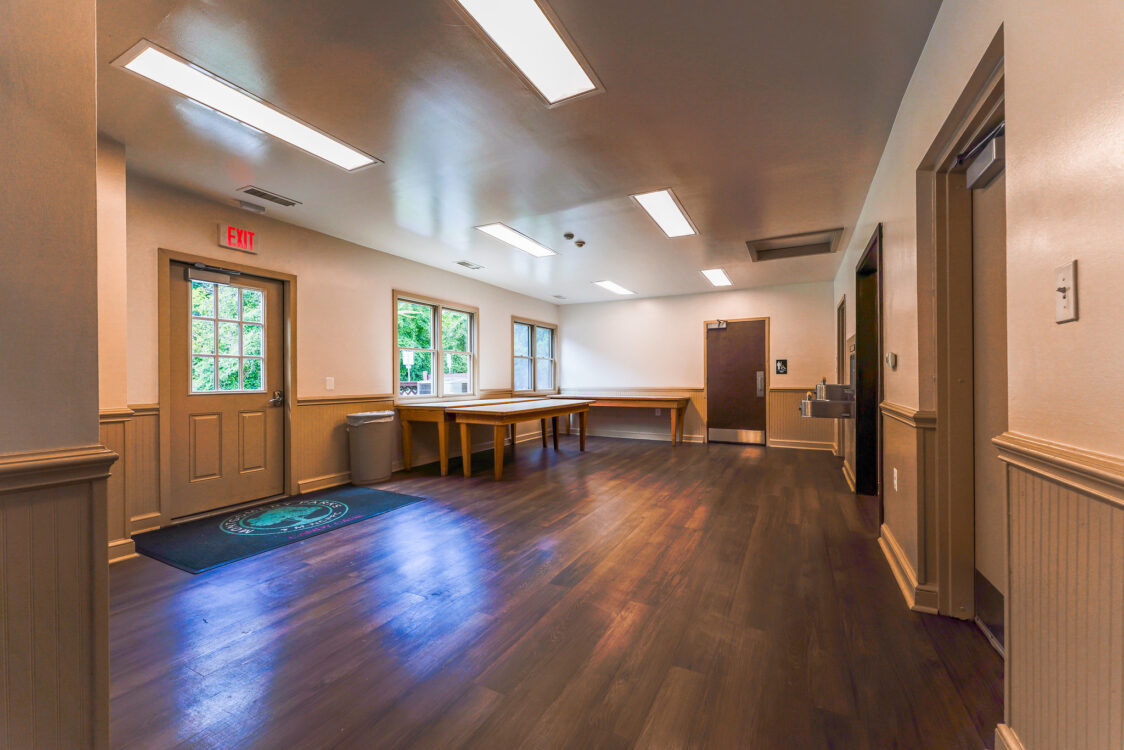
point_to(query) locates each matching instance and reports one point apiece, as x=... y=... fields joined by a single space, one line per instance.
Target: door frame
x=946 y=356
x=872 y=255
x=166 y=258
x=842 y=362
x=768 y=374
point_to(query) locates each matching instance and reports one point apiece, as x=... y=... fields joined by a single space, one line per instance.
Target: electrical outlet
x=895 y=479
x=329 y=384
x=659 y=412
x=1065 y=292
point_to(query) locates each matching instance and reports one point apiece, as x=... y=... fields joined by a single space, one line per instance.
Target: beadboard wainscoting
x=787 y=429
x=133 y=488
x=320 y=451
x=54 y=613
x=1065 y=602
x=644 y=424
x=908 y=533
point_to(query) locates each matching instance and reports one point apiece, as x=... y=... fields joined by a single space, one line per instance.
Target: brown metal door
x=227 y=374
x=737 y=380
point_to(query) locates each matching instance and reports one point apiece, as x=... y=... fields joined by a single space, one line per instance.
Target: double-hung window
x=534 y=350
x=435 y=347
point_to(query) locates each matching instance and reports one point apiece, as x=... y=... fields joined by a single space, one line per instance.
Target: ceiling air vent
x=469 y=265
x=560 y=296
x=795 y=245
x=265 y=195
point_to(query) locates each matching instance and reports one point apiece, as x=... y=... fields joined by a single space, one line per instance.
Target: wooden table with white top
x=500 y=416
x=677 y=405
x=437 y=413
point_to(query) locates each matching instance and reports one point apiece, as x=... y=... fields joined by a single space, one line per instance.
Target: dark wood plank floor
x=637 y=595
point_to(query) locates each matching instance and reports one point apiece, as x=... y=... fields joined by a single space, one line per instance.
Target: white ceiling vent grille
x=469 y=265
x=265 y=195
x=795 y=245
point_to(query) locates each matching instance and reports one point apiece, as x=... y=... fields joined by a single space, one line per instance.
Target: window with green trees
x=435 y=348
x=533 y=356
x=227 y=338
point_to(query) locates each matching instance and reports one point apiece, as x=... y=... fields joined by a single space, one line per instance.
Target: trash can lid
x=366 y=417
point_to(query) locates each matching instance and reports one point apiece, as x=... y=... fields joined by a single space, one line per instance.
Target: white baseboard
x=919 y=597
x=1006 y=739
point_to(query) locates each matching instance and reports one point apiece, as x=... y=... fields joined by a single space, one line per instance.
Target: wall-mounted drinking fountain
x=830 y=401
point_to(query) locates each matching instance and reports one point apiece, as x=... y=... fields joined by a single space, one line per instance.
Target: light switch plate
x=329 y=384
x=1065 y=292
x=895 y=479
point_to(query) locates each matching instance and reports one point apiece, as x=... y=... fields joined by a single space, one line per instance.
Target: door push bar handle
x=278 y=399
x=760 y=384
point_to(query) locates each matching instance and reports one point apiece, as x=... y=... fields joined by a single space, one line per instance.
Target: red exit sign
x=236 y=239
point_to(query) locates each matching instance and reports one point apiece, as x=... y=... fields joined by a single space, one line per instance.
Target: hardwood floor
x=637 y=595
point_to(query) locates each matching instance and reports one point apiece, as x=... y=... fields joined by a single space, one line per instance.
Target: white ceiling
x=767 y=117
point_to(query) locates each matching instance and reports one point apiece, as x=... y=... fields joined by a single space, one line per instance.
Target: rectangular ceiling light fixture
x=613 y=287
x=155 y=64
x=665 y=210
x=534 y=45
x=504 y=233
x=717 y=277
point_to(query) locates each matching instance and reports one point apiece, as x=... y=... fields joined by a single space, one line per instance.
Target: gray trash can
x=371 y=435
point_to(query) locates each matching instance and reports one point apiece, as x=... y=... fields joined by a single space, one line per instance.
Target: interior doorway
x=867 y=375
x=736 y=356
x=842 y=365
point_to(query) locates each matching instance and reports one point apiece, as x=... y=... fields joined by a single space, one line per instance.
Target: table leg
x=466 y=449
x=443 y=446
x=682 y=423
x=581 y=429
x=674 y=425
x=407 y=439
x=567 y=424
x=543 y=424
x=512 y=430
x=498 y=434
x=554 y=424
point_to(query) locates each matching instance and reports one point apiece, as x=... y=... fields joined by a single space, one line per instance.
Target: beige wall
x=48 y=224
x=658 y=343
x=113 y=344
x=344 y=294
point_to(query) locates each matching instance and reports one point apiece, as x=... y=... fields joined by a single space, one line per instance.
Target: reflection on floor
x=637 y=595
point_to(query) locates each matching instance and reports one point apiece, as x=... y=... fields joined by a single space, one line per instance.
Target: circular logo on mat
x=283 y=519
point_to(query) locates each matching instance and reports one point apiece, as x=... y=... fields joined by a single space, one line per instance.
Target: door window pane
x=228 y=373
x=228 y=339
x=251 y=375
x=203 y=336
x=229 y=306
x=522 y=340
x=523 y=374
x=458 y=374
x=253 y=306
x=203 y=299
x=202 y=374
x=415 y=325
x=252 y=340
x=415 y=373
x=456 y=330
x=544 y=340
x=544 y=374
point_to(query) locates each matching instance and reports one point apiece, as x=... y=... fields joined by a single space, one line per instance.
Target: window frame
x=517 y=319
x=436 y=347
x=216 y=320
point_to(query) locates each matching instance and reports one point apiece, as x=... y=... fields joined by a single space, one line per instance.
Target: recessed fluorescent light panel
x=717 y=277
x=506 y=234
x=613 y=287
x=665 y=210
x=533 y=44
x=148 y=60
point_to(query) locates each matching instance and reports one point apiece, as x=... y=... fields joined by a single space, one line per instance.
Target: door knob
x=760 y=384
x=278 y=399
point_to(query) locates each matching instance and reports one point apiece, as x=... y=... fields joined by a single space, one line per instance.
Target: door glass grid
x=227 y=338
